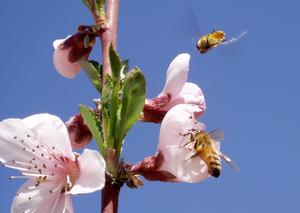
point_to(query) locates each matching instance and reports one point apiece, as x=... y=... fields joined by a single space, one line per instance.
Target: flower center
x=72 y=168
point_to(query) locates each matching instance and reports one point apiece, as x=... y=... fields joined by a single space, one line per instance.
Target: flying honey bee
x=204 y=147
x=214 y=39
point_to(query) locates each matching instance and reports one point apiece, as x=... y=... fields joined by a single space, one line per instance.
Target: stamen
x=16 y=167
x=33 y=174
x=17 y=177
x=33 y=187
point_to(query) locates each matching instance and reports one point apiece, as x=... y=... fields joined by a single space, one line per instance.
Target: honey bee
x=214 y=39
x=204 y=147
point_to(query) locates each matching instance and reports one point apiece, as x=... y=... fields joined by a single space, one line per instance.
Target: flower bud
x=79 y=133
x=69 y=51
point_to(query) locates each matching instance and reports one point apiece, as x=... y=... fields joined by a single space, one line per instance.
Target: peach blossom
x=61 y=60
x=176 y=91
x=39 y=147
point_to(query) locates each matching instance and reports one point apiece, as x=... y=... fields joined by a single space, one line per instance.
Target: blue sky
x=251 y=89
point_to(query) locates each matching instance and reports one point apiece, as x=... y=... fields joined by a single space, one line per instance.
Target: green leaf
x=94 y=72
x=107 y=91
x=115 y=63
x=106 y=102
x=106 y=121
x=91 y=119
x=133 y=100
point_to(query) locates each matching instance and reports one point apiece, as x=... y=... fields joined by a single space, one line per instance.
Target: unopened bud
x=79 y=133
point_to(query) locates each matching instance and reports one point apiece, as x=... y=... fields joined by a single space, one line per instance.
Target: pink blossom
x=176 y=91
x=79 y=133
x=39 y=147
x=172 y=161
x=61 y=60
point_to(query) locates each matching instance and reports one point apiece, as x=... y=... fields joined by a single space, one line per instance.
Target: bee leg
x=186 y=134
x=187 y=143
x=191 y=157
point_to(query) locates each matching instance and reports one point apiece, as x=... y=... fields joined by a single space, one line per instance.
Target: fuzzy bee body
x=210 y=41
x=214 y=39
x=204 y=147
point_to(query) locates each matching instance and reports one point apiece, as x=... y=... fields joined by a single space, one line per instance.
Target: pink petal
x=40 y=199
x=12 y=133
x=92 y=173
x=58 y=42
x=193 y=94
x=61 y=62
x=189 y=94
x=191 y=171
x=52 y=131
x=177 y=74
x=177 y=122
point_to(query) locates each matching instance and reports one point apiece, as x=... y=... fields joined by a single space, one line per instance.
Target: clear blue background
x=251 y=89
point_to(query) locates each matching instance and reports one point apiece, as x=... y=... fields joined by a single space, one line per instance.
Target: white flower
x=181 y=91
x=173 y=161
x=39 y=147
x=176 y=91
x=178 y=121
x=61 y=60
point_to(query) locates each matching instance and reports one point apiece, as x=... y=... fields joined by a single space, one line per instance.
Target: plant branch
x=112 y=13
x=108 y=36
x=110 y=198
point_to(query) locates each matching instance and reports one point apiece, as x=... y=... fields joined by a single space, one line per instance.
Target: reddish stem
x=110 y=35
x=112 y=13
x=110 y=198
x=110 y=192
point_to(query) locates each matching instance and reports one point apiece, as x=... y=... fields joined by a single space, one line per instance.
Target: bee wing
x=217 y=134
x=230 y=162
x=234 y=39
